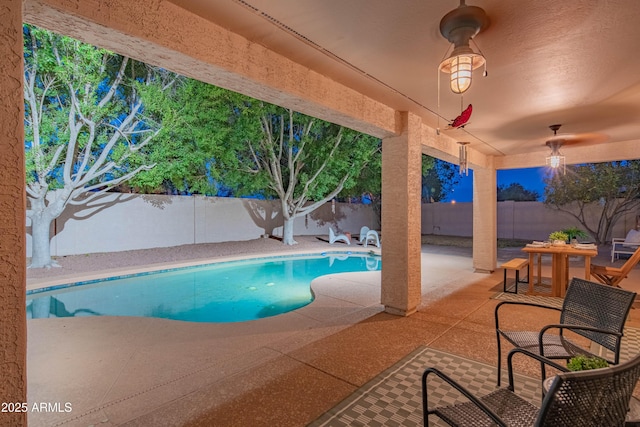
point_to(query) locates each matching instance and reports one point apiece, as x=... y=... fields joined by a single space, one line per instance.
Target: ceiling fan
x=556 y=159
x=559 y=140
x=555 y=142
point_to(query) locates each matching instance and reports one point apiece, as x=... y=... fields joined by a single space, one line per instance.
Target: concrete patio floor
x=281 y=371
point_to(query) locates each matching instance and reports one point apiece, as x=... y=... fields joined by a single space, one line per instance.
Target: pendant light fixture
x=556 y=160
x=459 y=26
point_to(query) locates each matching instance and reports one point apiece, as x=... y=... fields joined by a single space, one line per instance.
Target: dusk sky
x=531 y=179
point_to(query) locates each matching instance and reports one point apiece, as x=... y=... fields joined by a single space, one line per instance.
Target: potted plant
x=579 y=363
x=575 y=233
x=558 y=237
x=583 y=363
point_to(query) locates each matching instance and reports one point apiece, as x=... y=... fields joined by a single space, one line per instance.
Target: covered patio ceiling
x=548 y=62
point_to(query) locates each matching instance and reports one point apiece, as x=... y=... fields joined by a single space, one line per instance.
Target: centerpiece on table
x=558 y=238
x=573 y=233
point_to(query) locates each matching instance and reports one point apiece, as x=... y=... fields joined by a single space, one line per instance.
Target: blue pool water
x=223 y=292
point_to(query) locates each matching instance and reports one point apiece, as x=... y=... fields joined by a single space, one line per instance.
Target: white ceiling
x=575 y=62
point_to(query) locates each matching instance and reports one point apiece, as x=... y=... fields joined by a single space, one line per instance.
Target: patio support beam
x=444 y=147
x=162 y=33
x=597 y=153
x=13 y=274
x=401 y=178
x=485 y=207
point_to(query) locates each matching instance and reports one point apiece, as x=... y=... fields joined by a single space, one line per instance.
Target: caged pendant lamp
x=556 y=160
x=459 y=26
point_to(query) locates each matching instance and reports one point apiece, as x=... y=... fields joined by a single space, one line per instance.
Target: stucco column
x=401 y=175
x=13 y=321
x=485 y=207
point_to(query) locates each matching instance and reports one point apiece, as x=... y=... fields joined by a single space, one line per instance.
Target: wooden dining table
x=559 y=266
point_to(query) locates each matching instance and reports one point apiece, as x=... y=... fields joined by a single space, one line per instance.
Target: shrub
x=583 y=363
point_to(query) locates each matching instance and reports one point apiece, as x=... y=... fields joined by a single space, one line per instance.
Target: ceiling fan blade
x=580 y=138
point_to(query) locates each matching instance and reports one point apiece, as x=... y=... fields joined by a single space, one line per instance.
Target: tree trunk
x=287 y=231
x=40 y=243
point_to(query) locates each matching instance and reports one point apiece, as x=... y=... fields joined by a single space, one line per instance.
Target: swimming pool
x=232 y=291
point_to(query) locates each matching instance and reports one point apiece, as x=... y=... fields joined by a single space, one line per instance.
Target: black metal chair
x=595 y=398
x=591 y=310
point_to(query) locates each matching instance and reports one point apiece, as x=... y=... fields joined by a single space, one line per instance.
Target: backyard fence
x=120 y=222
x=516 y=220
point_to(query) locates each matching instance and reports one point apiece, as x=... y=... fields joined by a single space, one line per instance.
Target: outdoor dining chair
x=592 y=398
x=591 y=310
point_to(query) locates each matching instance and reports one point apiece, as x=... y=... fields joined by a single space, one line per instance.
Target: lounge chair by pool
x=333 y=237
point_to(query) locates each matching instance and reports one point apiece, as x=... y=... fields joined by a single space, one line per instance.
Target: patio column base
x=400 y=312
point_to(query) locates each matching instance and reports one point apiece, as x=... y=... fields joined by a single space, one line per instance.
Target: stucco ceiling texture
x=575 y=62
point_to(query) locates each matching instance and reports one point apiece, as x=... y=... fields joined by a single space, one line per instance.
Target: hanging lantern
x=459 y=26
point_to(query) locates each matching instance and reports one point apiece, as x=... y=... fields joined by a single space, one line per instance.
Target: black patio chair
x=594 y=398
x=591 y=310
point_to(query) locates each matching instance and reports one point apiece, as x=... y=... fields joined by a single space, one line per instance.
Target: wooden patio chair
x=612 y=276
x=591 y=310
x=592 y=398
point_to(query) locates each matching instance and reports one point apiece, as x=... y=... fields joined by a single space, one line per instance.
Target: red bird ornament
x=462 y=119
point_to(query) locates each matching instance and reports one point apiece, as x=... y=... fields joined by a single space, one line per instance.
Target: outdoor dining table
x=559 y=265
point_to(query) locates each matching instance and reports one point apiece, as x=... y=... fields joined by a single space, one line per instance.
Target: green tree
x=438 y=179
x=85 y=126
x=368 y=188
x=302 y=161
x=196 y=140
x=610 y=188
x=516 y=192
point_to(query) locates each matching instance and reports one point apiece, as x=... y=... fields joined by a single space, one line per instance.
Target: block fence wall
x=121 y=222
x=516 y=220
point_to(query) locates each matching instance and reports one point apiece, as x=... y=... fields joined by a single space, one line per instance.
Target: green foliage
x=559 y=235
x=583 y=363
x=516 y=192
x=574 y=233
x=85 y=99
x=608 y=188
x=285 y=154
x=438 y=179
x=195 y=138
